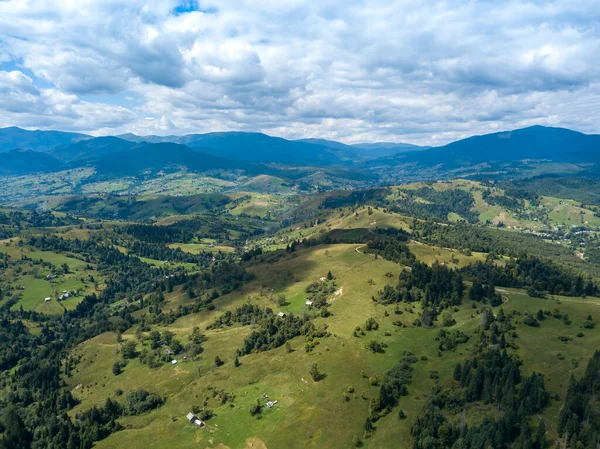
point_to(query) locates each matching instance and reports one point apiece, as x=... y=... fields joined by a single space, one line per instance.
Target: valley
x=299 y=225
x=219 y=304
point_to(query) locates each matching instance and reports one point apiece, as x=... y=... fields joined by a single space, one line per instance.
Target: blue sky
x=424 y=72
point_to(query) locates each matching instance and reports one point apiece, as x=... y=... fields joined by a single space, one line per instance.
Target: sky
x=424 y=72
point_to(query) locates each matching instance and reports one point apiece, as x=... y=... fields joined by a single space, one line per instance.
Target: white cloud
x=424 y=72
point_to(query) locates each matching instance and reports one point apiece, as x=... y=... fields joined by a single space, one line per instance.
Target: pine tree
x=540 y=436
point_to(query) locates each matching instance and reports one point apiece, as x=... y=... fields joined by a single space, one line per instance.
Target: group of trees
x=466 y=237
x=246 y=314
x=491 y=377
x=578 y=421
x=437 y=204
x=436 y=288
x=159 y=251
x=35 y=219
x=207 y=226
x=318 y=292
x=274 y=331
x=479 y=292
x=505 y=201
x=36 y=404
x=578 y=189
x=390 y=245
x=530 y=272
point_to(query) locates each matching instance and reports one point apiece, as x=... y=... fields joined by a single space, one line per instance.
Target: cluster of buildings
x=64 y=295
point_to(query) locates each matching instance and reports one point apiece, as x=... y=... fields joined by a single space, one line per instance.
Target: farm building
x=281 y=315
x=308 y=303
x=194 y=419
x=48 y=299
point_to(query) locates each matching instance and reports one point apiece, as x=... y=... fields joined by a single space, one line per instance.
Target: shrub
x=141 y=401
x=315 y=373
x=117 y=368
x=529 y=320
x=374 y=346
x=371 y=324
x=256 y=408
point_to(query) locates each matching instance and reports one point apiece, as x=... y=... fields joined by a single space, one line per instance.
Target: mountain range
x=533 y=143
x=257 y=152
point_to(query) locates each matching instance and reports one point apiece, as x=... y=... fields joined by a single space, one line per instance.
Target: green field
x=31 y=286
x=207 y=245
x=274 y=248
x=308 y=413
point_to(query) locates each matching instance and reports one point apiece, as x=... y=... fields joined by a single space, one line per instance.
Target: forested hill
x=536 y=142
x=19 y=162
x=12 y=138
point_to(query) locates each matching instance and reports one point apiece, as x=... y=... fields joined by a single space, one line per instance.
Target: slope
x=13 y=137
x=21 y=162
x=536 y=142
x=256 y=147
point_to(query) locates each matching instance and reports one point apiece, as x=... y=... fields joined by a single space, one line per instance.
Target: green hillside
x=404 y=317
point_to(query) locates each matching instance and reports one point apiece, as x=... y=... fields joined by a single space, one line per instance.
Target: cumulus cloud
x=362 y=70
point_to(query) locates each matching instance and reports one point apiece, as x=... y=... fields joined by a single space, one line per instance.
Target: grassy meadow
x=314 y=414
x=31 y=286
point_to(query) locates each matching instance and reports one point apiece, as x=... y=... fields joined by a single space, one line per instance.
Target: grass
x=207 y=245
x=29 y=282
x=561 y=212
x=360 y=219
x=313 y=414
x=446 y=256
x=568 y=213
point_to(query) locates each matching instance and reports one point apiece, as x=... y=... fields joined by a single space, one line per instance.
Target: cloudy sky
x=416 y=71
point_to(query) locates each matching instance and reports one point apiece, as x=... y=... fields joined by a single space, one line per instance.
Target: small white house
x=48 y=299
x=308 y=303
x=194 y=419
x=173 y=362
x=281 y=315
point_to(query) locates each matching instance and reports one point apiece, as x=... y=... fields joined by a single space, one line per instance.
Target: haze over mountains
x=52 y=150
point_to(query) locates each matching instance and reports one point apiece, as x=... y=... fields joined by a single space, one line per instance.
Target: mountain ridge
x=537 y=142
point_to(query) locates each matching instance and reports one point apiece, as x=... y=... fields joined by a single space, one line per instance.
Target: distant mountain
x=13 y=138
x=22 y=162
x=384 y=149
x=91 y=148
x=263 y=148
x=341 y=150
x=255 y=147
x=252 y=150
x=160 y=156
x=533 y=143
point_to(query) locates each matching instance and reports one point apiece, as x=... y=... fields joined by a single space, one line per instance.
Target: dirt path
x=465 y=322
x=505 y=298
